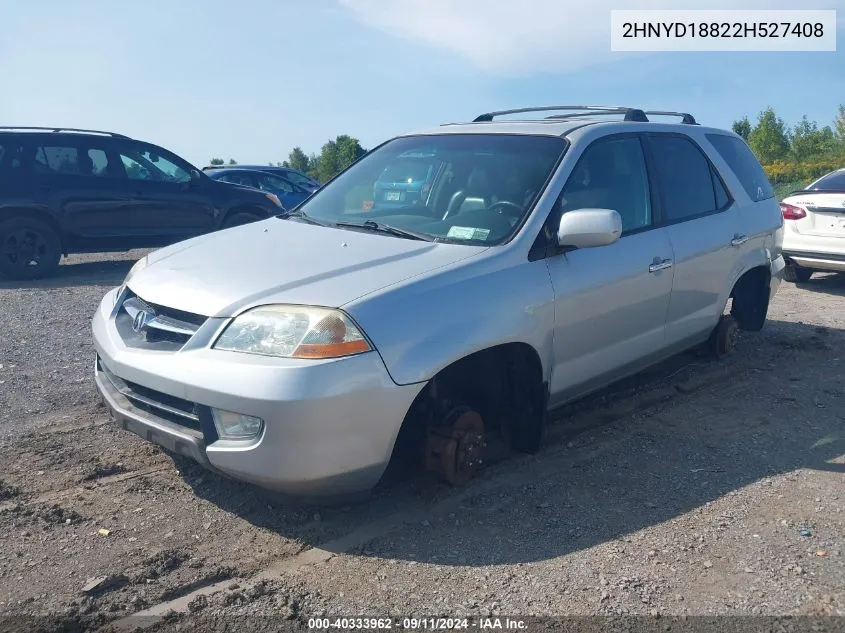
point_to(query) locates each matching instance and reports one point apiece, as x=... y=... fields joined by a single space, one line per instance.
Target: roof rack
x=686 y=117
x=59 y=129
x=574 y=111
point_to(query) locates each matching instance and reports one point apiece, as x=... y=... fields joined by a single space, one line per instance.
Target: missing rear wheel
x=725 y=337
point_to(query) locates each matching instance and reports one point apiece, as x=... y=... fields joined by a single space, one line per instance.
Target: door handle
x=660 y=264
x=739 y=240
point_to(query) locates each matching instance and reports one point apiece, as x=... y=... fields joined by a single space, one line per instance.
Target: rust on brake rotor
x=455 y=450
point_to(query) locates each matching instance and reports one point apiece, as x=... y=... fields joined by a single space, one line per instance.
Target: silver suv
x=374 y=326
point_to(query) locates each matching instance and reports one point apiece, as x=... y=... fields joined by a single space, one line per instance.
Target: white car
x=814 y=228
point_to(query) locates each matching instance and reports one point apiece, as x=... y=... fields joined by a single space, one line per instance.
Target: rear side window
x=10 y=157
x=98 y=162
x=723 y=198
x=744 y=164
x=686 y=179
x=56 y=159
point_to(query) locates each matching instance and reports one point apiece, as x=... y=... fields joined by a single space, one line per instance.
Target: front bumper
x=329 y=426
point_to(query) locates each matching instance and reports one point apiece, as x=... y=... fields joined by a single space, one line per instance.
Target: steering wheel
x=507 y=208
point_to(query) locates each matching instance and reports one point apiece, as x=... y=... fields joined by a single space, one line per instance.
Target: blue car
x=405 y=182
x=295 y=176
x=289 y=194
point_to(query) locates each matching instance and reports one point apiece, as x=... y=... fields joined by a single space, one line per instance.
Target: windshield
x=471 y=188
x=834 y=181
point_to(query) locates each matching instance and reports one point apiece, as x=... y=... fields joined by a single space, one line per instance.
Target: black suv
x=69 y=190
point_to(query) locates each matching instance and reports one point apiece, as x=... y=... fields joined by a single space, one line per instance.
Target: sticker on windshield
x=468 y=233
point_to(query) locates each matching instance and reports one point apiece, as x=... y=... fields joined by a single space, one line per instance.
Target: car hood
x=284 y=261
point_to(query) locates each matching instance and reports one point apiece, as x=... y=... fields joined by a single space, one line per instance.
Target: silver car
x=370 y=331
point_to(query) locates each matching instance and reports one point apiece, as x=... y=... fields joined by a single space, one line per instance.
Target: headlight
x=272 y=197
x=293 y=332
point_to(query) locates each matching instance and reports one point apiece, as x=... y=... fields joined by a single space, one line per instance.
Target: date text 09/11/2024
x=440 y=624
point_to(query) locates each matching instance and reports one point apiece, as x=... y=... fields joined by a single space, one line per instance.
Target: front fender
x=423 y=326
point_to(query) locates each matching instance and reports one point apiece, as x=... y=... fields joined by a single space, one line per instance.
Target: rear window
x=744 y=164
x=834 y=181
x=406 y=171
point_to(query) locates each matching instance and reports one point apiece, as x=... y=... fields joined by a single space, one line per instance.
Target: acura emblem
x=140 y=321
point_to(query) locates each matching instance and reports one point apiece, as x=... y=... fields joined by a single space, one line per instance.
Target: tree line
x=791 y=156
x=794 y=156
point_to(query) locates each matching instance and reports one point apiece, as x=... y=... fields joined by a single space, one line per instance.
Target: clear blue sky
x=250 y=80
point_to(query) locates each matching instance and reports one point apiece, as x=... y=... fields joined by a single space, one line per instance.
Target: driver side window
x=143 y=164
x=611 y=174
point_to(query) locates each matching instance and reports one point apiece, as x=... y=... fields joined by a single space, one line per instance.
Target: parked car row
x=452 y=284
x=70 y=190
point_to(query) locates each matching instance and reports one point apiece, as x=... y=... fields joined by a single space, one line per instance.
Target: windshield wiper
x=376 y=227
x=296 y=213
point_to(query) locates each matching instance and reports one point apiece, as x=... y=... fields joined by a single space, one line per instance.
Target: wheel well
x=503 y=383
x=256 y=211
x=36 y=214
x=485 y=379
x=750 y=298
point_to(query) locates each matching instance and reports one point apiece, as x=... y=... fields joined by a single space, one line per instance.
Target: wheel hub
x=455 y=449
x=727 y=336
x=24 y=248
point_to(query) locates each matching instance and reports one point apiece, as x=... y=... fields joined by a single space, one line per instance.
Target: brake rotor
x=455 y=449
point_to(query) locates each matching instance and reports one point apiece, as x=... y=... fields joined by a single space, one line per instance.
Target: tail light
x=791 y=212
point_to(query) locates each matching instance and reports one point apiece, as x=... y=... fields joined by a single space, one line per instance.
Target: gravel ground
x=698 y=488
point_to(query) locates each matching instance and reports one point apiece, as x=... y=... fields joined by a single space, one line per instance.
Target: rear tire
x=238 y=219
x=29 y=249
x=796 y=274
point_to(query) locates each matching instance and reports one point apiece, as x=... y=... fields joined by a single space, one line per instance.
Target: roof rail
x=59 y=129
x=631 y=114
x=686 y=117
x=575 y=111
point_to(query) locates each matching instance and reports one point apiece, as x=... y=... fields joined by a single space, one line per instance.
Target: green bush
x=784 y=172
x=785 y=188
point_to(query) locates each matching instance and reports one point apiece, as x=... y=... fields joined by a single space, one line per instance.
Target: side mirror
x=196 y=178
x=586 y=228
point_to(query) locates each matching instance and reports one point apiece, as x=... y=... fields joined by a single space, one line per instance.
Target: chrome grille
x=150 y=326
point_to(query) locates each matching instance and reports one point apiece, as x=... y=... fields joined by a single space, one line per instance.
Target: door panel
x=705 y=231
x=704 y=265
x=610 y=310
x=165 y=205
x=76 y=179
x=610 y=301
